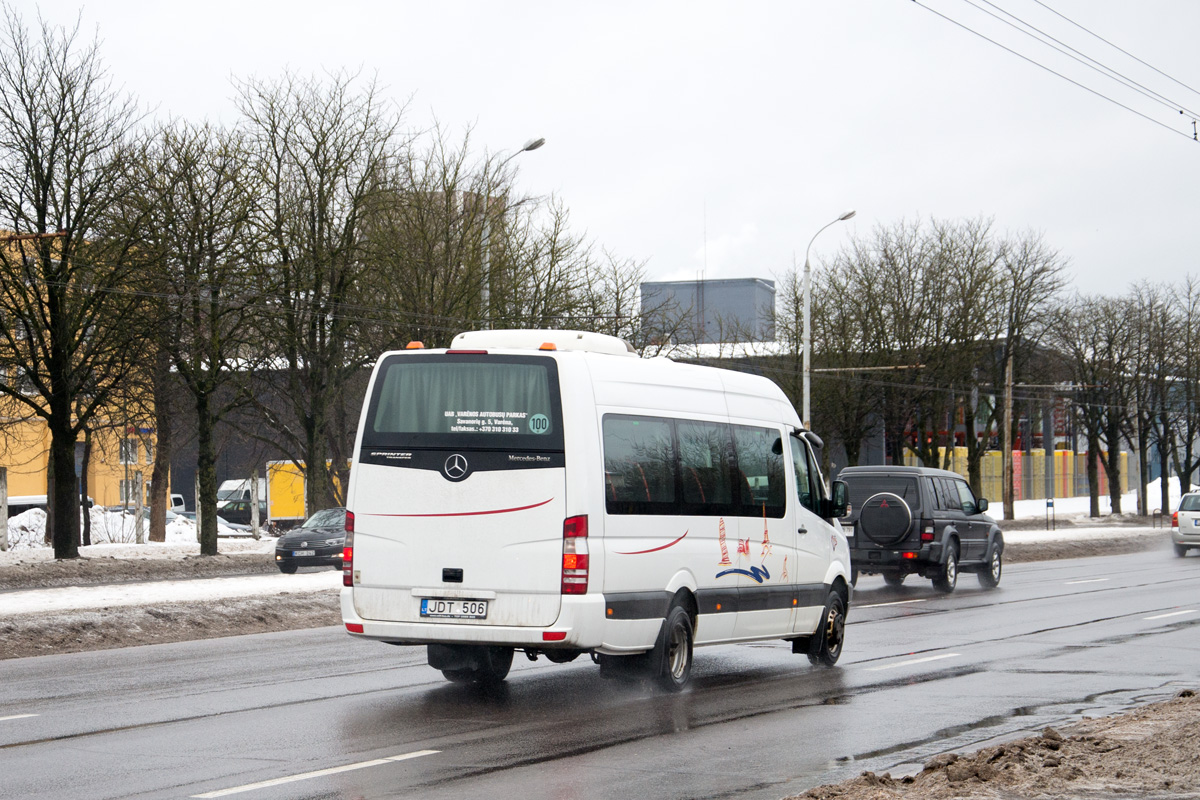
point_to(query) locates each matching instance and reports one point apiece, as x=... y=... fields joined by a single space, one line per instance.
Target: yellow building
x=118 y=455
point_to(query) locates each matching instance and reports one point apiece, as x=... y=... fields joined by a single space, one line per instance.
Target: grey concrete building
x=709 y=311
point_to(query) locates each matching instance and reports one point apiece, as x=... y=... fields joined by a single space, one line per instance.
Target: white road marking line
x=1090 y=580
x=910 y=662
x=317 y=774
x=1172 y=614
x=896 y=603
x=17 y=716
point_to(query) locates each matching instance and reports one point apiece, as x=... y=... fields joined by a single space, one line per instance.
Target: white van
x=551 y=492
x=240 y=490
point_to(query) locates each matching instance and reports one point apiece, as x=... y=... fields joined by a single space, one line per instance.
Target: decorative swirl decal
x=651 y=550
x=466 y=513
x=754 y=573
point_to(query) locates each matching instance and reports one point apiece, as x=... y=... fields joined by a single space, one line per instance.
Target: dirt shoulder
x=1152 y=751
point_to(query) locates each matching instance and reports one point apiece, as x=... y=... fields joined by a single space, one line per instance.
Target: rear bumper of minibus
x=579 y=626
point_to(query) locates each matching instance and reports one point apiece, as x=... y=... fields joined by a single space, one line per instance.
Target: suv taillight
x=575 y=555
x=926 y=530
x=348 y=552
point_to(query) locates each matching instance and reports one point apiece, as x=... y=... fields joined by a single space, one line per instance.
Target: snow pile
x=28 y=529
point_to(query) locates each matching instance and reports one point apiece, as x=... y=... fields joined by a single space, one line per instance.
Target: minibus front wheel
x=672 y=655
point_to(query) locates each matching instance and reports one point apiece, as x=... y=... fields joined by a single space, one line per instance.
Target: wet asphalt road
x=922 y=673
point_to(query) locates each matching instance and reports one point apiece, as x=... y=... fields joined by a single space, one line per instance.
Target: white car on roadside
x=1185 y=524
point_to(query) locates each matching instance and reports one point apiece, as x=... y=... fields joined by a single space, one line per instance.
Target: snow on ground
x=114 y=535
x=40 y=601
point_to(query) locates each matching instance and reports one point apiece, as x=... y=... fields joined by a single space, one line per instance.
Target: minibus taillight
x=348 y=552
x=575 y=555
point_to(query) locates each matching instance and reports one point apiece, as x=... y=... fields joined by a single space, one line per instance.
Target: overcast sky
x=719 y=137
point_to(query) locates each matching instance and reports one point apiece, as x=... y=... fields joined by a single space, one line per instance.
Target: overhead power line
x=1116 y=47
x=1080 y=57
x=1052 y=71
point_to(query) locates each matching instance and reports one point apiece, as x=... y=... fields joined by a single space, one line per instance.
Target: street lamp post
x=807 y=419
x=486 y=294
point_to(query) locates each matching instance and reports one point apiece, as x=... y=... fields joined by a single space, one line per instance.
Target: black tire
x=287 y=569
x=885 y=518
x=894 y=578
x=947 y=577
x=853 y=575
x=494 y=664
x=459 y=675
x=491 y=667
x=671 y=659
x=825 y=645
x=989 y=575
x=1180 y=550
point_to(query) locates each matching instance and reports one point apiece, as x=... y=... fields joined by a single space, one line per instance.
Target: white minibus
x=552 y=492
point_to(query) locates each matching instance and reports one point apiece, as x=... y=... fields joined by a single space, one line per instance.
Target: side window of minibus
x=705 y=458
x=639 y=463
x=805 y=479
x=760 y=475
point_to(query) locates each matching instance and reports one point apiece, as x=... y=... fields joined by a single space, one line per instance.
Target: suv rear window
x=863 y=487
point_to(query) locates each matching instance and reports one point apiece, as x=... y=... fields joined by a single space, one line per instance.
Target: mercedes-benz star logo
x=455 y=467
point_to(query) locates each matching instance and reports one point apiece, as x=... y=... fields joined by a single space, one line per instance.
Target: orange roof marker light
x=415 y=346
x=548 y=346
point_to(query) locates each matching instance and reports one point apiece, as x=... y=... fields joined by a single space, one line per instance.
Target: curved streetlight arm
x=485 y=294
x=806 y=418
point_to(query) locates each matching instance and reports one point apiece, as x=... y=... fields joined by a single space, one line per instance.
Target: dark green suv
x=919 y=521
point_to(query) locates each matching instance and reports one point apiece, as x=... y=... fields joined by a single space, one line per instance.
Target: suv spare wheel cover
x=885 y=518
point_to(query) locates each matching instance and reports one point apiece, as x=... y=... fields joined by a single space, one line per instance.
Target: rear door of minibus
x=458 y=491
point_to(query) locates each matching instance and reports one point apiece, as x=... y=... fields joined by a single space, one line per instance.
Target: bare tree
x=201 y=254
x=1187 y=392
x=1032 y=275
x=69 y=333
x=1094 y=335
x=1152 y=373
x=322 y=151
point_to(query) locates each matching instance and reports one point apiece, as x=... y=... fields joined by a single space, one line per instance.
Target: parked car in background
x=316 y=543
x=923 y=521
x=238 y=511
x=1185 y=524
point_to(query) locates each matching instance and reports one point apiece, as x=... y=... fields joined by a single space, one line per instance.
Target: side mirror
x=816 y=441
x=840 y=502
x=981 y=505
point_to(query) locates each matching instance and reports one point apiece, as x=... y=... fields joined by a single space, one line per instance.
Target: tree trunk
x=316 y=473
x=1093 y=473
x=206 y=473
x=65 y=533
x=84 y=486
x=1164 y=465
x=160 y=479
x=1112 y=465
